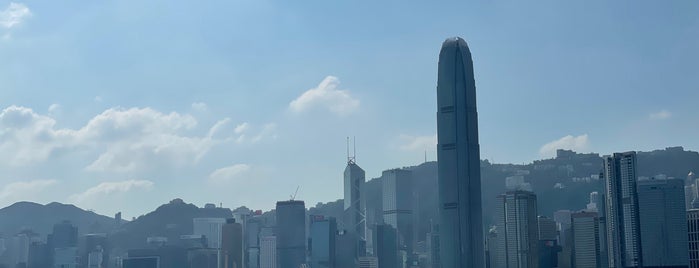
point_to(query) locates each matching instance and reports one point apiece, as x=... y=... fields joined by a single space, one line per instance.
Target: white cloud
x=417 y=143
x=266 y=132
x=13 y=15
x=660 y=115
x=230 y=173
x=24 y=190
x=326 y=95
x=54 y=108
x=108 y=188
x=200 y=106
x=240 y=129
x=569 y=142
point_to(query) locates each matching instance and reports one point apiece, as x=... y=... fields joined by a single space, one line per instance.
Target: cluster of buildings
x=634 y=222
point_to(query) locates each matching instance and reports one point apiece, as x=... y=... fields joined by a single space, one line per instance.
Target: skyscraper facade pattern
x=623 y=224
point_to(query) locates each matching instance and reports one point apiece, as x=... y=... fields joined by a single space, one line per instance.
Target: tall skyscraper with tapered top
x=355 y=206
x=458 y=155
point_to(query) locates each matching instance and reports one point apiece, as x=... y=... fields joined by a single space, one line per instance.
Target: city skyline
x=71 y=84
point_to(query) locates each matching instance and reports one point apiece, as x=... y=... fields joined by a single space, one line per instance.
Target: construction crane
x=294 y=195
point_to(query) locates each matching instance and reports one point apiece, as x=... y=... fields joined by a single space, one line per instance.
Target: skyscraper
x=355 y=204
x=693 y=236
x=399 y=203
x=458 y=157
x=663 y=219
x=387 y=246
x=322 y=241
x=623 y=227
x=586 y=244
x=232 y=244
x=518 y=230
x=548 y=243
x=268 y=251
x=291 y=234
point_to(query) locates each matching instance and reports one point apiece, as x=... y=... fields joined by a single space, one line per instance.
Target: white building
x=268 y=252
x=586 y=240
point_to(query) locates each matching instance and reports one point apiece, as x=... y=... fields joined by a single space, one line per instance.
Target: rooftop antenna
x=350 y=158
x=425 y=156
x=354 y=148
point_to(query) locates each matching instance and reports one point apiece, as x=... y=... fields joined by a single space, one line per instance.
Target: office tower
x=386 y=245
x=291 y=234
x=518 y=231
x=322 y=241
x=602 y=220
x=232 y=244
x=458 y=157
x=586 y=244
x=20 y=246
x=166 y=256
x=548 y=242
x=663 y=219
x=94 y=245
x=64 y=243
x=346 y=249
x=562 y=218
x=399 y=204
x=355 y=204
x=435 y=251
x=39 y=255
x=252 y=241
x=693 y=237
x=211 y=229
x=623 y=230
x=268 y=251
x=203 y=257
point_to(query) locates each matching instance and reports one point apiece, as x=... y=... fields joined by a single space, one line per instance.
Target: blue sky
x=122 y=106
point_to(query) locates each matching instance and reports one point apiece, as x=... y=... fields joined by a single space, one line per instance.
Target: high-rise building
x=663 y=219
x=268 y=251
x=211 y=229
x=458 y=155
x=252 y=241
x=548 y=243
x=593 y=204
x=346 y=249
x=355 y=204
x=693 y=237
x=586 y=244
x=291 y=234
x=386 y=245
x=94 y=245
x=623 y=226
x=64 y=243
x=322 y=241
x=399 y=204
x=232 y=244
x=518 y=230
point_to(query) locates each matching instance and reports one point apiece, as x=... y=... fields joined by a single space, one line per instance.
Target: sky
x=125 y=105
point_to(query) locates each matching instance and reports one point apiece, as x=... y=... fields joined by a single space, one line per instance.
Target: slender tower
x=355 y=203
x=458 y=155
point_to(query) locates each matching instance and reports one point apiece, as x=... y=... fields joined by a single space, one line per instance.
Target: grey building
x=232 y=244
x=458 y=154
x=623 y=225
x=386 y=241
x=548 y=242
x=518 y=231
x=663 y=219
x=586 y=242
x=291 y=234
x=399 y=204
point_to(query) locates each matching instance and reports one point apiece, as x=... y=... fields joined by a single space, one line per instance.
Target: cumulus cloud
x=24 y=190
x=417 y=143
x=109 y=188
x=660 y=115
x=576 y=143
x=121 y=140
x=229 y=173
x=246 y=133
x=54 y=108
x=326 y=96
x=13 y=15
